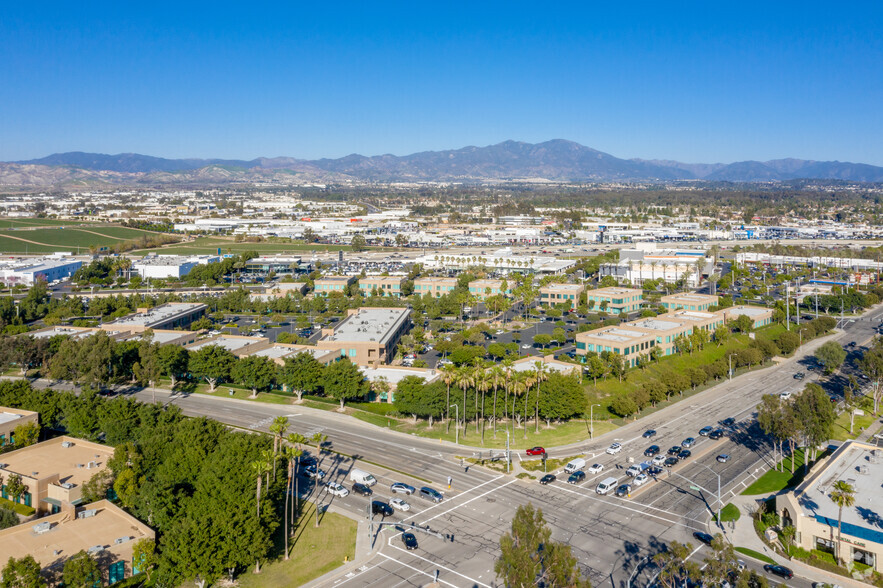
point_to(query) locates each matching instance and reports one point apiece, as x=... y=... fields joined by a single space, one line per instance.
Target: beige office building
x=327 y=285
x=368 y=336
x=618 y=300
x=555 y=294
x=435 y=287
x=11 y=419
x=689 y=301
x=484 y=289
x=390 y=286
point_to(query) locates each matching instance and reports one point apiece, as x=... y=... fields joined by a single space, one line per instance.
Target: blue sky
x=696 y=82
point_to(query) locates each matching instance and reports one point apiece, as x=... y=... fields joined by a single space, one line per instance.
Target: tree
x=15 y=487
x=843 y=496
x=815 y=417
x=344 y=381
x=529 y=557
x=26 y=434
x=721 y=334
x=8 y=518
x=254 y=372
x=97 y=486
x=81 y=571
x=144 y=557
x=126 y=487
x=359 y=243
x=618 y=366
x=871 y=365
x=788 y=342
x=213 y=364
x=743 y=323
x=831 y=355
x=22 y=573
x=302 y=374
x=675 y=569
x=542 y=340
x=624 y=405
x=173 y=361
x=148 y=369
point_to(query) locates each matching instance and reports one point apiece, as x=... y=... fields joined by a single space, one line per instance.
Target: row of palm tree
x=497 y=377
x=478 y=260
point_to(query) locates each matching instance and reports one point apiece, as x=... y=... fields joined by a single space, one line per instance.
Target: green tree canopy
x=302 y=374
x=22 y=573
x=344 y=381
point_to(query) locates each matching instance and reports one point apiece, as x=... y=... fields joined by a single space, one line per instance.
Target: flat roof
x=690 y=315
x=67 y=536
x=8 y=417
x=847 y=464
x=616 y=334
x=556 y=366
x=162 y=336
x=50 y=457
x=276 y=352
x=159 y=314
x=691 y=297
x=228 y=342
x=75 y=332
x=657 y=324
x=568 y=287
x=370 y=325
x=748 y=310
x=335 y=279
x=436 y=279
x=615 y=291
x=394 y=375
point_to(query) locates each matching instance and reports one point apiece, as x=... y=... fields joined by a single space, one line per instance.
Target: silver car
x=402 y=488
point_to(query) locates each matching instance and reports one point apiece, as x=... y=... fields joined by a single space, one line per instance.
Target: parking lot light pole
x=592 y=421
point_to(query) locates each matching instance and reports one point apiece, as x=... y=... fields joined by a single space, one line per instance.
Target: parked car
x=576 y=477
x=381 y=508
x=548 y=479
x=723 y=458
x=658 y=460
x=624 y=490
x=431 y=494
x=409 y=540
x=400 y=504
x=670 y=461
x=536 y=451
x=336 y=489
x=614 y=449
x=703 y=537
x=651 y=451
x=778 y=570
x=705 y=431
x=684 y=454
x=649 y=433
x=674 y=450
x=640 y=479
x=716 y=434
x=596 y=468
x=688 y=442
x=799 y=376
x=402 y=488
x=362 y=490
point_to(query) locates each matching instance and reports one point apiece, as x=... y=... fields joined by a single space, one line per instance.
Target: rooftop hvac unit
x=67 y=485
x=79 y=465
x=864 y=469
x=85 y=514
x=66 y=444
x=95 y=549
x=91 y=465
x=41 y=528
x=122 y=540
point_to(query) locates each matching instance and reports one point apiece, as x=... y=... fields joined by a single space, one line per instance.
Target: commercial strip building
x=484 y=289
x=381 y=286
x=689 y=301
x=11 y=419
x=435 y=287
x=279 y=352
x=554 y=294
x=368 y=336
x=618 y=300
x=167 y=316
x=327 y=285
x=54 y=471
x=103 y=530
x=27 y=272
x=170 y=266
x=810 y=510
x=646 y=262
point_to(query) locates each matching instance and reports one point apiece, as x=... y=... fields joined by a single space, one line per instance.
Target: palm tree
x=519 y=384
x=297 y=441
x=449 y=375
x=541 y=374
x=482 y=384
x=278 y=428
x=843 y=495
x=260 y=467
x=291 y=455
x=319 y=439
x=496 y=378
x=465 y=380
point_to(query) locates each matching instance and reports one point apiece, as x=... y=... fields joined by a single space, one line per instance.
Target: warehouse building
x=170 y=266
x=27 y=272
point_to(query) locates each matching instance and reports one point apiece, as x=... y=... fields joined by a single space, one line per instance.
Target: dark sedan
x=649 y=433
x=716 y=434
x=547 y=479
x=409 y=540
x=684 y=454
x=670 y=461
x=780 y=571
x=674 y=450
x=576 y=477
x=703 y=537
x=651 y=451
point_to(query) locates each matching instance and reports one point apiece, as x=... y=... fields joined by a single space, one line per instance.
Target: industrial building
x=167 y=316
x=27 y=272
x=368 y=336
x=170 y=266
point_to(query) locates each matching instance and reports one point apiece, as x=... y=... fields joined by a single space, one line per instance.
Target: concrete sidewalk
x=744 y=535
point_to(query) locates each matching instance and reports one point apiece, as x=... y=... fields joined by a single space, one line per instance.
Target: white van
x=606 y=485
x=362 y=477
x=575 y=465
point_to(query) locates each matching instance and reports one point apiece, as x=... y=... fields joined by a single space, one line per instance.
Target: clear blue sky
x=694 y=82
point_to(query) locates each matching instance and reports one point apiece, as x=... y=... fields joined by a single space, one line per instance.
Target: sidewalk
x=744 y=535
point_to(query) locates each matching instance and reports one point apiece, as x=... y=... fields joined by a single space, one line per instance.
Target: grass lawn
x=773 y=481
x=207 y=245
x=840 y=431
x=755 y=554
x=67 y=238
x=10 y=223
x=315 y=551
x=729 y=513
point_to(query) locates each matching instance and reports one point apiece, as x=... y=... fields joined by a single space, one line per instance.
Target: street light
x=637 y=567
x=457 y=425
x=592 y=421
x=697 y=487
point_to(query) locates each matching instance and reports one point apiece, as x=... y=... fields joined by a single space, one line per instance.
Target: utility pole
x=457 y=426
x=592 y=421
x=788 y=306
x=508 y=460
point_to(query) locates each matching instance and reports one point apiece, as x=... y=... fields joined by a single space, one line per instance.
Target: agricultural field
x=16 y=223
x=77 y=239
x=210 y=245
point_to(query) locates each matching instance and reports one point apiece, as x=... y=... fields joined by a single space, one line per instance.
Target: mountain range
x=556 y=160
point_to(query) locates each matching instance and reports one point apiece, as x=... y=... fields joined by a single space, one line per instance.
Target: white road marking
x=471 y=499
x=430 y=562
x=438 y=504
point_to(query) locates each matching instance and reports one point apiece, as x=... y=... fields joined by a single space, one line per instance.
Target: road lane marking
x=471 y=499
x=430 y=562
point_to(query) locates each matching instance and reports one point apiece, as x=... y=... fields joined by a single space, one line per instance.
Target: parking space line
x=429 y=561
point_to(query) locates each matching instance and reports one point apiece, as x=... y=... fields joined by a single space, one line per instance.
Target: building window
x=825 y=545
x=116 y=572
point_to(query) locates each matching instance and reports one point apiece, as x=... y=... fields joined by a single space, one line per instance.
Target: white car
x=614 y=449
x=596 y=468
x=640 y=480
x=526 y=346
x=336 y=489
x=399 y=504
x=658 y=460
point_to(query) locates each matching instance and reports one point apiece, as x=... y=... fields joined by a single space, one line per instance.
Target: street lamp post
x=720 y=523
x=457 y=426
x=592 y=421
x=637 y=567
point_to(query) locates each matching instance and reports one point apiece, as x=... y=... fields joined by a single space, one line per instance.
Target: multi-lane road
x=611 y=537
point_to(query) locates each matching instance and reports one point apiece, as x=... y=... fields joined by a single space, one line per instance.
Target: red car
x=536 y=451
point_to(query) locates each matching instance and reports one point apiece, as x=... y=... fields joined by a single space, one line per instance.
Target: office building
x=167 y=316
x=11 y=419
x=390 y=286
x=689 y=301
x=484 y=289
x=555 y=294
x=615 y=300
x=329 y=284
x=435 y=287
x=368 y=336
